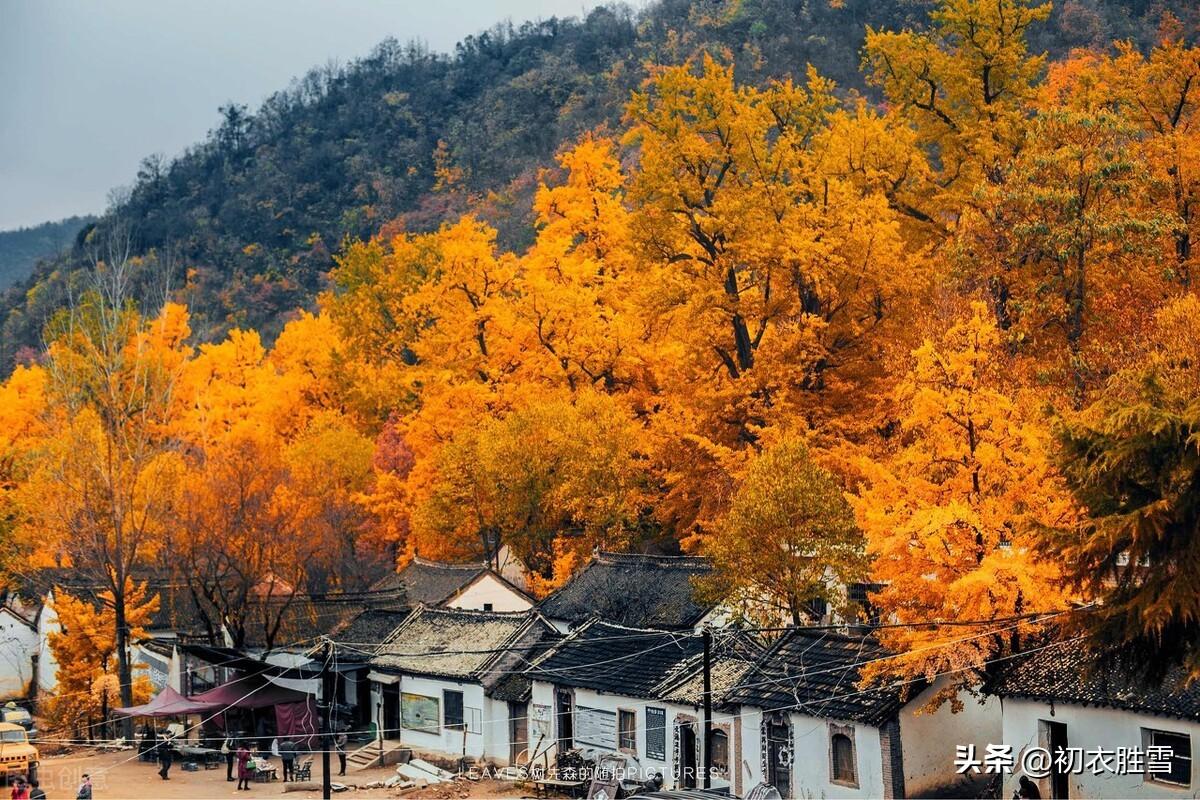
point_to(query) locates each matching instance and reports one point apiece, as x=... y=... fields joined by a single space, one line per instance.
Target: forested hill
x=252 y=216
x=21 y=249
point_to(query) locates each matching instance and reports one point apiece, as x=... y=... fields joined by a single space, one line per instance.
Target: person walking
x=243 y=759
x=339 y=744
x=85 y=788
x=36 y=792
x=166 y=756
x=287 y=754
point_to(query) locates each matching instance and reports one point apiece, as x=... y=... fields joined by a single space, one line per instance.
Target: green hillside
x=247 y=222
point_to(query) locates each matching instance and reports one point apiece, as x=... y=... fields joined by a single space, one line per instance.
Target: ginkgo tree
x=954 y=517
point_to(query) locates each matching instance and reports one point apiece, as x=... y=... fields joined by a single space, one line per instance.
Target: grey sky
x=87 y=89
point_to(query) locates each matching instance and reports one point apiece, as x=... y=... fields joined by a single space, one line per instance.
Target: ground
x=120 y=775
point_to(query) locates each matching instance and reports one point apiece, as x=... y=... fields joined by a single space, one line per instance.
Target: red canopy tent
x=295 y=712
x=167 y=703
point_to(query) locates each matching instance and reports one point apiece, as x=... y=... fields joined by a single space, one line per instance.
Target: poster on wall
x=656 y=733
x=419 y=713
x=596 y=727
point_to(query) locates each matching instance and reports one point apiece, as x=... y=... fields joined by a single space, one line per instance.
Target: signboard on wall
x=419 y=713
x=656 y=734
x=596 y=727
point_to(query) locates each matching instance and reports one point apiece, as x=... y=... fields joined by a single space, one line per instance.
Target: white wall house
x=489 y=591
x=473 y=586
x=808 y=730
x=447 y=682
x=18 y=652
x=638 y=691
x=1059 y=699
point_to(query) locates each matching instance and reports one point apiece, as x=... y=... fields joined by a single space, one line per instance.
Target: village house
x=615 y=689
x=473 y=586
x=447 y=682
x=1061 y=699
x=808 y=730
x=19 y=646
x=640 y=591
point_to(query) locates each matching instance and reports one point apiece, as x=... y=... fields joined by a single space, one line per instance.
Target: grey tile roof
x=434 y=582
x=1068 y=673
x=816 y=672
x=639 y=591
x=362 y=634
x=727 y=671
x=453 y=643
x=617 y=659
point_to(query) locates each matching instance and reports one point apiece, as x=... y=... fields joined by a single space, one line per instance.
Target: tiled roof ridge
x=452 y=565
x=612 y=557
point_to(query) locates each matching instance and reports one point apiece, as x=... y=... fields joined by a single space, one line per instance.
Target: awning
x=382 y=677
x=250 y=691
x=167 y=703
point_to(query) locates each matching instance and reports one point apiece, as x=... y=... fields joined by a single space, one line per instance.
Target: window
x=487 y=606
x=627 y=731
x=719 y=746
x=843 y=766
x=453 y=702
x=1168 y=757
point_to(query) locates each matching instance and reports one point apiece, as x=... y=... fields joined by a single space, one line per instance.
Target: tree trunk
x=124 y=672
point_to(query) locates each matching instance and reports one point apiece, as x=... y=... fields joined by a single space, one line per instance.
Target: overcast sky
x=90 y=87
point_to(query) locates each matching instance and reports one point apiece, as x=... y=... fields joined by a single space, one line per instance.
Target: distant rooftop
x=640 y=591
x=451 y=642
x=435 y=582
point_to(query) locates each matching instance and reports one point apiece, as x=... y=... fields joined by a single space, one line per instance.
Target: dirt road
x=120 y=776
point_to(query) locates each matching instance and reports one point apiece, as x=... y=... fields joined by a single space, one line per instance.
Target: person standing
x=166 y=755
x=287 y=754
x=243 y=759
x=20 y=790
x=36 y=793
x=85 y=788
x=339 y=744
x=228 y=748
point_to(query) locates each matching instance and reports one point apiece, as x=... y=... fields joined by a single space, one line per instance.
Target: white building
x=474 y=586
x=448 y=682
x=809 y=730
x=1059 y=699
x=19 y=646
x=638 y=691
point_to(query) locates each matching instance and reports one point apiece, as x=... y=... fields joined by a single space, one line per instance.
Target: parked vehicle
x=11 y=712
x=17 y=756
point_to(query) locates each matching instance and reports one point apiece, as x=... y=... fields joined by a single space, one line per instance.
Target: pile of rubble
x=417 y=773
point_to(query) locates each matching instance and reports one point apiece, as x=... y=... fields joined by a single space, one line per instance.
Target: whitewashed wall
x=447 y=742
x=1090 y=727
x=543 y=694
x=18 y=645
x=811 y=775
x=47 y=676
x=490 y=589
x=929 y=739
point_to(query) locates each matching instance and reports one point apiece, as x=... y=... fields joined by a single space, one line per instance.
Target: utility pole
x=707 y=708
x=326 y=739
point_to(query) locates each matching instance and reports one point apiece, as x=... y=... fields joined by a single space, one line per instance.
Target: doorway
x=518 y=730
x=564 y=713
x=685 y=770
x=391 y=711
x=1054 y=739
x=779 y=754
